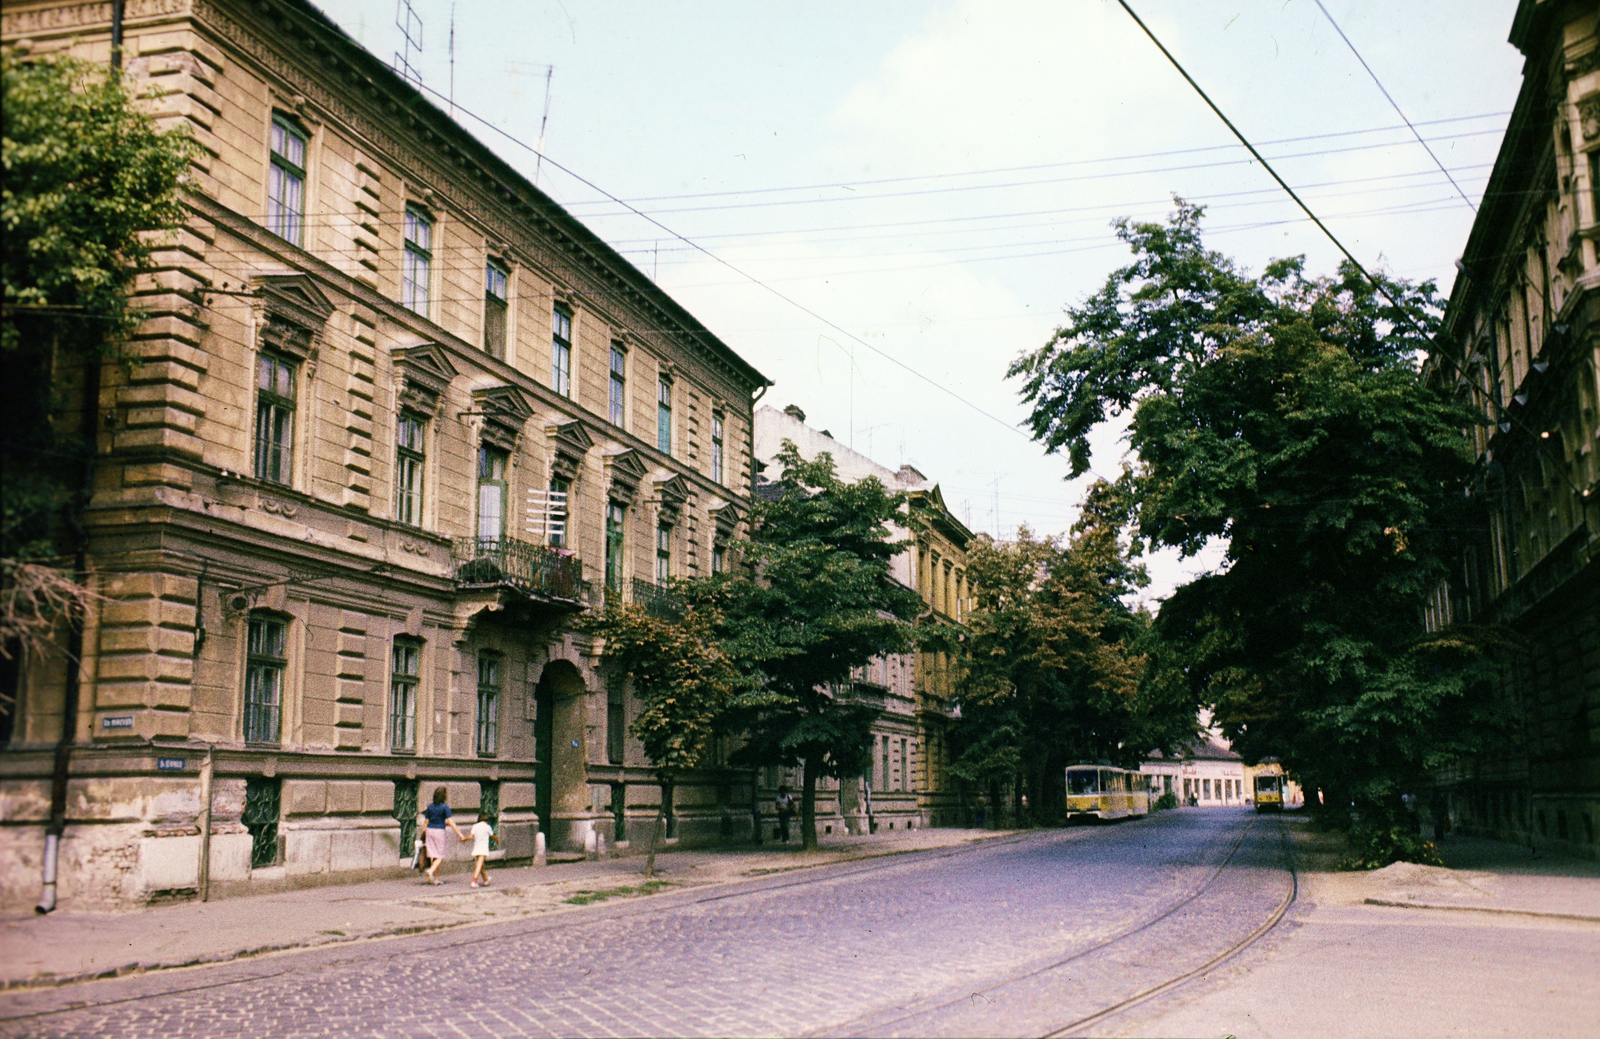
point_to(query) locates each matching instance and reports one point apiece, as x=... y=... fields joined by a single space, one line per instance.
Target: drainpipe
x=116 y=33
x=205 y=827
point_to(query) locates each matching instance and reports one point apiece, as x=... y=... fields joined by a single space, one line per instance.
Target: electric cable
x=1395 y=105
x=1505 y=415
x=751 y=278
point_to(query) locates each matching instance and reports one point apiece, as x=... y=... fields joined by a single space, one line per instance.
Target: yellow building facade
x=396 y=422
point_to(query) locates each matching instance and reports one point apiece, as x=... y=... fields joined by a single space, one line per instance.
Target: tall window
x=615 y=519
x=494 y=309
x=559 y=490
x=286 y=182
x=274 y=418
x=905 y=764
x=488 y=704
x=403 y=679
x=491 y=492
x=719 y=558
x=663 y=553
x=561 y=352
x=716 y=448
x=417 y=264
x=408 y=459
x=1594 y=182
x=616 y=719
x=267 y=653
x=664 y=416
x=619 y=385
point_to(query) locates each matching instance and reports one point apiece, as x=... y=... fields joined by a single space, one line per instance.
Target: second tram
x=1269 y=793
x=1106 y=793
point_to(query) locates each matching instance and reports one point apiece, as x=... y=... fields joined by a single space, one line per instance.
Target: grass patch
x=649 y=887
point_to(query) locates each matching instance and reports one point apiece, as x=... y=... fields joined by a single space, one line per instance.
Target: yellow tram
x=1269 y=792
x=1106 y=793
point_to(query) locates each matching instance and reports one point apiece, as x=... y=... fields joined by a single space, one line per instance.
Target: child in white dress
x=479 y=835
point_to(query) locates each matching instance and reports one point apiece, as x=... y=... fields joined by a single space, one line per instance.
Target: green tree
x=1288 y=417
x=684 y=682
x=822 y=601
x=88 y=178
x=1055 y=658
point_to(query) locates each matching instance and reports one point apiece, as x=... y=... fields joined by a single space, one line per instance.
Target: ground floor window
x=262 y=801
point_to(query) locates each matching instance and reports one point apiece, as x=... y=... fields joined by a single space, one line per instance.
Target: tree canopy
x=1055 y=660
x=821 y=601
x=87 y=177
x=683 y=680
x=1288 y=417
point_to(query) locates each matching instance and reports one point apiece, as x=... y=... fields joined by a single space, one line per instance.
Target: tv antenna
x=410 y=25
x=522 y=68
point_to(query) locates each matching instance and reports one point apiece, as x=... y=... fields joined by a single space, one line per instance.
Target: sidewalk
x=1479 y=874
x=62 y=947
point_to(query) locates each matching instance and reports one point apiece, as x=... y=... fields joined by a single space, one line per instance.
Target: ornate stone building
x=908 y=783
x=396 y=421
x=1522 y=341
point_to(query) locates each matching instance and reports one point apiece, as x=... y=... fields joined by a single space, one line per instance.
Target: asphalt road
x=1026 y=936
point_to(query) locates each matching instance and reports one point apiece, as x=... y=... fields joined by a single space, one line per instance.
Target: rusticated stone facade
x=395 y=422
x=1522 y=342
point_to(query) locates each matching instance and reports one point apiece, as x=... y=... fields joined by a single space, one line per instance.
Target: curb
x=1397 y=904
x=61 y=980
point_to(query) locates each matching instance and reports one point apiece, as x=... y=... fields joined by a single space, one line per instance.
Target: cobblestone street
x=951 y=942
x=1191 y=922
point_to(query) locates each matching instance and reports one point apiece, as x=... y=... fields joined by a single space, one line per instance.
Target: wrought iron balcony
x=535 y=570
x=868 y=693
x=657 y=600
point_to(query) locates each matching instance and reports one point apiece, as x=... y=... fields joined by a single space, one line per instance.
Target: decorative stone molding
x=1589 y=117
x=672 y=490
x=425 y=372
x=504 y=411
x=294 y=311
x=569 y=445
x=624 y=471
x=726 y=516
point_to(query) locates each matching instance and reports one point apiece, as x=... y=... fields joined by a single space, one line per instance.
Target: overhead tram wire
x=1060 y=165
x=1395 y=105
x=749 y=277
x=963 y=188
x=1461 y=373
x=1376 y=284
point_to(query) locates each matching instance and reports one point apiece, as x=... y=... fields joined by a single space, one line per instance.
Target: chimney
x=794 y=412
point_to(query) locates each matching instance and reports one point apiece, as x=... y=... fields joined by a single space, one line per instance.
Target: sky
x=882 y=205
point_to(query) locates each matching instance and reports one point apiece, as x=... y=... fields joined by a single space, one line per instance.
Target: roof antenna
x=518 y=68
x=410 y=25
x=452 y=61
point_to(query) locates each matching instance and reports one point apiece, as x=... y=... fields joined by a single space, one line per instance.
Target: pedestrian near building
x=785 y=812
x=481 y=832
x=438 y=815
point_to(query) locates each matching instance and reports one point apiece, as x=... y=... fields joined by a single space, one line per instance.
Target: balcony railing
x=532 y=569
x=657 y=600
x=868 y=693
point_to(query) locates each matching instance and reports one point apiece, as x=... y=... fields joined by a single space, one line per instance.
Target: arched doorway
x=561 y=773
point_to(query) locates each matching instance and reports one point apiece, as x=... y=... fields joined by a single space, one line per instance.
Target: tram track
x=1035 y=998
x=961 y=1006
x=1220 y=958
